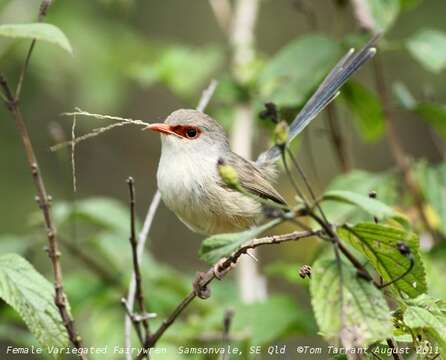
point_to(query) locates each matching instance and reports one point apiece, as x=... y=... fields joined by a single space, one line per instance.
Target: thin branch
x=222 y=10
x=43 y=10
x=143 y=235
x=392 y=344
x=396 y=147
x=223 y=267
x=139 y=294
x=337 y=139
x=42 y=198
x=206 y=95
x=135 y=323
x=142 y=238
x=227 y=320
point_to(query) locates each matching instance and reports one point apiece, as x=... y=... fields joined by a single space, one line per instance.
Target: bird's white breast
x=188 y=183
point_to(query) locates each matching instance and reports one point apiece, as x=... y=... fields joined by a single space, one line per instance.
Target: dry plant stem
x=44 y=204
x=143 y=235
x=135 y=323
x=223 y=267
x=227 y=320
x=139 y=294
x=142 y=238
x=396 y=147
x=337 y=139
x=222 y=10
x=43 y=199
x=391 y=343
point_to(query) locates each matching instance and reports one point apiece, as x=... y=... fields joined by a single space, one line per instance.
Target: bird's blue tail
x=326 y=92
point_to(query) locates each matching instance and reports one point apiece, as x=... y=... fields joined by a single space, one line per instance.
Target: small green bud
x=228 y=174
x=281 y=133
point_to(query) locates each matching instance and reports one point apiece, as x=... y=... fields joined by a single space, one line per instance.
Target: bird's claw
x=220 y=268
x=202 y=291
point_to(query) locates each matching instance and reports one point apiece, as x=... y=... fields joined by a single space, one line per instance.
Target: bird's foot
x=202 y=291
x=221 y=268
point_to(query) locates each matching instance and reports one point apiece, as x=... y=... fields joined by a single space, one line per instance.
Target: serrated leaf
x=40 y=31
x=32 y=296
x=384 y=13
x=218 y=246
x=379 y=244
x=428 y=47
x=360 y=182
x=366 y=109
x=297 y=69
x=428 y=315
x=352 y=308
x=432 y=181
x=374 y=207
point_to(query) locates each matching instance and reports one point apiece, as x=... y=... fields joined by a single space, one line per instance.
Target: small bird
x=193 y=143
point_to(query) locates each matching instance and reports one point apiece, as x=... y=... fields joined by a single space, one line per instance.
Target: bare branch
x=43 y=199
x=223 y=267
x=223 y=13
x=139 y=294
x=204 y=101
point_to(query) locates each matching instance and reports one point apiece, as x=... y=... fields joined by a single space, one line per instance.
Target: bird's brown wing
x=252 y=179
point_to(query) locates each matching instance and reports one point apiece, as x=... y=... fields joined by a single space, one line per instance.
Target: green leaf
x=218 y=246
x=433 y=113
x=45 y=32
x=366 y=109
x=298 y=68
x=384 y=13
x=361 y=182
x=428 y=315
x=347 y=305
x=104 y=212
x=428 y=47
x=409 y=4
x=278 y=315
x=432 y=180
x=32 y=296
x=184 y=70
x=372 y=206
x=379 y=244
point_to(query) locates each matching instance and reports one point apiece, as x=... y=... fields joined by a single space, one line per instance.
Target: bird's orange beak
x=161 y=128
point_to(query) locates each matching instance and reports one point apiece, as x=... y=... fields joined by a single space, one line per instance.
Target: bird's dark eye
x=191 y=133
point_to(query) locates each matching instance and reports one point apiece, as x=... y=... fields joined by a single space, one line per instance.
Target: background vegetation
x=144 y=59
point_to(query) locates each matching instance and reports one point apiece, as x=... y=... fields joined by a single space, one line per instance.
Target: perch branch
x=143 y=235
x=223 y=267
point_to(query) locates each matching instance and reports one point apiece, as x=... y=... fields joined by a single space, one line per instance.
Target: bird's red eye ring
x=188 y=132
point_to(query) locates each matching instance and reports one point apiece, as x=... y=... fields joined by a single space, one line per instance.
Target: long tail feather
x=326 y=92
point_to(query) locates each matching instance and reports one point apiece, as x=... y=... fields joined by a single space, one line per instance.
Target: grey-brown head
x=191 y=130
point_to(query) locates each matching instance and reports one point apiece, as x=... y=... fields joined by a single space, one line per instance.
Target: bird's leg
x=202 y=291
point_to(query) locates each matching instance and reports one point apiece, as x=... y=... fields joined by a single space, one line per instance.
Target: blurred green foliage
x=112 y=56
